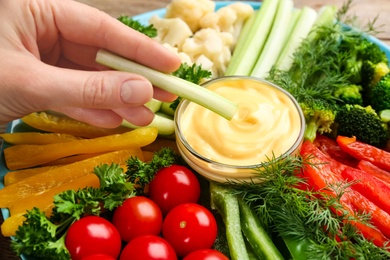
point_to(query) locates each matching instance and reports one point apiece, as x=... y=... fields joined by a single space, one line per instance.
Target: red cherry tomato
x=148 y=247
x=189 y=227
x=98 y=257
x=137 y=216
x=172 y=186
x=206 y=254
x=93 y=235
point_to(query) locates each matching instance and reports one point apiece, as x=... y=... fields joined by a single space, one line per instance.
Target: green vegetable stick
x=170 y=83
x=275 y=40
x=240 y=48
x=304 y=23
x=326 y=16
x=227 y=205
x=247 y=53
x=256 y=235
x=163 y=123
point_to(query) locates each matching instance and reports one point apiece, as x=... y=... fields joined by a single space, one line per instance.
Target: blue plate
x=19 y=126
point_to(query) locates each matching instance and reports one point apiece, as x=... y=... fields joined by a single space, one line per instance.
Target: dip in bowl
x=269 y=124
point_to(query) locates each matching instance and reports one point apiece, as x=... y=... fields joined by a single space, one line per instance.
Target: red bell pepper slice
x=323 y=171
x=331 y=147
x=369 y=186
x=379 y=217
x=374 y=170
x=363 y=151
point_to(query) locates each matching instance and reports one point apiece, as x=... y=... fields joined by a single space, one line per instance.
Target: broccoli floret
x=363 y=123
x=357 y=50
x=380 y=94
x=373 y=52
x=319 y=116
x=349 y=94
x=385 y=115
x=372 y=72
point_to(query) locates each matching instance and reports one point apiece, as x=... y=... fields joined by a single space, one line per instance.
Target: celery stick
x=246 y=54
x=239 y=49
x=154 y=105
x=170 y=83
x=165 y=108
x=326 y=16
x=300 y=31
x=164 y=124
x=275 y=40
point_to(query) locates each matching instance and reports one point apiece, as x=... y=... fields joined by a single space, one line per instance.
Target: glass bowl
x=269 y=124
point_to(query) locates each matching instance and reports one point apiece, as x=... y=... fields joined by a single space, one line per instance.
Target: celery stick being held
x=170 y=83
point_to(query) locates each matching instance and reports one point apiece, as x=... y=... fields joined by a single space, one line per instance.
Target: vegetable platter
x=220 y=197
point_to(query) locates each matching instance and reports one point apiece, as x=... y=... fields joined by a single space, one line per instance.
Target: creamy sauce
x=267 y=124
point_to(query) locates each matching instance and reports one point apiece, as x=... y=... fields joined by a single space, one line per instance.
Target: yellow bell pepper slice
x=45 y=199
x=60 y=175
x=15 y=176
x=36 y=138
x=62 y=124
x=25 y=156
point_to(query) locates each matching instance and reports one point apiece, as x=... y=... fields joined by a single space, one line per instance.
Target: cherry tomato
x=93 y=235
x=98 y=257
x=206 y=254
x=148 y=247
x=172 y=186
x=189 y=227
x=137 y=216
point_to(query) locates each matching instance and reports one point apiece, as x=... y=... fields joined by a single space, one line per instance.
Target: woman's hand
x=47 y=62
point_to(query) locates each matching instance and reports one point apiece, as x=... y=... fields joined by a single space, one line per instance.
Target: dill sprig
x=291 y=211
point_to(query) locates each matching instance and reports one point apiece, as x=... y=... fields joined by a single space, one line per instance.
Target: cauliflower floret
x=230 y=19
x=170 y=30
x=205 y=62
x=214 y=45
x=191 y=11
x=183 y=56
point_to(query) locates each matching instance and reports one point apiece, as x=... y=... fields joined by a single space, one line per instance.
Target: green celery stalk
x=253 y=40
x=275 y=40
x=163 y=123
x=165 y=108
x=239 y=49
x=303 y=26
x=170 y=83
x=154 y=105
x=326 y=16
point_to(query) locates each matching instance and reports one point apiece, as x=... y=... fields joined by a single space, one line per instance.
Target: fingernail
x=135 y=91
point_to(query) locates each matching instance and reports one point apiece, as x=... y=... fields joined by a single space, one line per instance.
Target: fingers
x=92 y=89
x=97 y=117
x=140 y=116
x=107 y=32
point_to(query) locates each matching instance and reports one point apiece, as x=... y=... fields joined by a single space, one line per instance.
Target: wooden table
x=366 y=10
